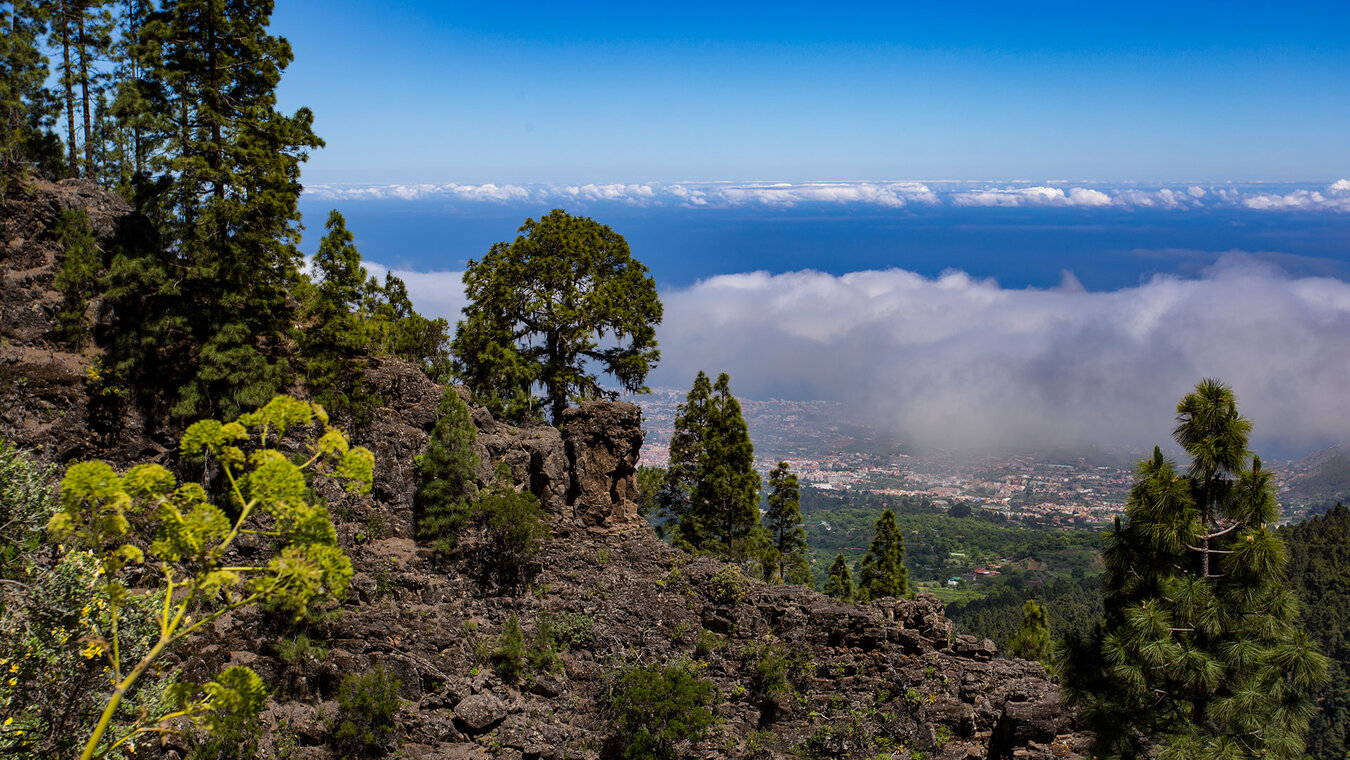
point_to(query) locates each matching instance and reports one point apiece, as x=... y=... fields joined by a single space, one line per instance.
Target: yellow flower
x=8 y=721
x=13 y=682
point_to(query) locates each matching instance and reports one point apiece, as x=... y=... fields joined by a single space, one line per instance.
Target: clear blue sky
x=592 y=92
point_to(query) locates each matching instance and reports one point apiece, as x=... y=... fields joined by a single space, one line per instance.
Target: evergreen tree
x=681 y=522
x=234 y=183
x=446 y=485
x=1032 y=641
x=711 y=494
x=784 y=519
x=883 y=568
x=334 y=337
x=840 y=583
x=27 y=108
x=398 y=330
x=84 y=31
x=1197 y=655
x=1319 y=571
x=728 y=484
x=78 y=277
x=566 y=293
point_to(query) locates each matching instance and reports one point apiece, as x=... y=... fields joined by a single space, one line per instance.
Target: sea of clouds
x=961 y=362
x=1334 y=197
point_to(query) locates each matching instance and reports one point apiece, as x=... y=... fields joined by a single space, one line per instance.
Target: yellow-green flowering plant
x=146 y=517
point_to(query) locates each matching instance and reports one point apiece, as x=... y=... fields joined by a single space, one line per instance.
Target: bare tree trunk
x=73 y=163
x=84 y=97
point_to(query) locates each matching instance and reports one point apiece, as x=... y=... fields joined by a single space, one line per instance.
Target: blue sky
x=979 y=225
x=598 y=92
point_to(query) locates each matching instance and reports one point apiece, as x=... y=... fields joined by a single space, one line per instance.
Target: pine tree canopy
x=446 y=474
x=1198 y=655
x=840 y=582
x=711 y=494
x=883 y=567
x=1032 y=641
x=784 y=521
x=563 y=299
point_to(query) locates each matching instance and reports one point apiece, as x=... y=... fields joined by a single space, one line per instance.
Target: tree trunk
x=84 y=97
x=73 y=166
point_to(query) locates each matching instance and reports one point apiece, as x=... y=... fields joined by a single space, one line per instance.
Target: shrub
x=513 y=521
x=729 y=585
x=367 y=705
x=574 y=630
x=445 y=475
x=657 y=707
x=146 y=517
x=26 y=504
x=543 y=653
x=509 y=656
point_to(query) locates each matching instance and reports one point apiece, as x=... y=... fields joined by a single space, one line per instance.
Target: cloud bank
x=960 y=362
x=885 y=195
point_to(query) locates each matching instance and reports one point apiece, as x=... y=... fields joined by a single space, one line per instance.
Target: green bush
x=514 y=523
x=543 y=653
x=509 y=656
x=574 y=630
x=656 y=708
x=730 y=585
x=26 y=504
x=367 y=705
x=445 y=475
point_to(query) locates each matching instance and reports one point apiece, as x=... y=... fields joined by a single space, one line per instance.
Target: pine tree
x=784 y=520
x=840 y=583
x=397 y=329
x=565 y=297
x=446 y=484
x=27 y=108
x=883 y=568
x=681 y=522
x=1032 y=641
x=1197 y=655
x=335 y=337
x=728 y=485
x=234 y=182
x=711 y=494
x=78 y=277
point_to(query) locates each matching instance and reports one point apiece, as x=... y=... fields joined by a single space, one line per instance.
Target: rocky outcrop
x=51 y=396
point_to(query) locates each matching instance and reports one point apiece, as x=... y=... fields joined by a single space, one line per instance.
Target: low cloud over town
x=955 y=361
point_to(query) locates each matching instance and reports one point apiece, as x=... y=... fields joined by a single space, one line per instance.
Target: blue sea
x=1105 y=249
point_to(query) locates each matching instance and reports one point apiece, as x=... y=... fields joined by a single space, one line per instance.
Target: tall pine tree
x=784 y=521
x=1198 y=655
x=446 y=484
x=233 y=183
x=711 y=493
x=883 y=571
x=27 y=108
x=334 y=335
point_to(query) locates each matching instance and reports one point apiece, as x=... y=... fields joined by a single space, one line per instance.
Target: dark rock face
x=50 y=396
x=602 y=441
x=885 y=678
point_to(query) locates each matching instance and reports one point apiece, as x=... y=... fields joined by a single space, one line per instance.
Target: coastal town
x=828 y=451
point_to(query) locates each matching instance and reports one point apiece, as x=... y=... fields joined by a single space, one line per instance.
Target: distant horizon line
x=1263 y=196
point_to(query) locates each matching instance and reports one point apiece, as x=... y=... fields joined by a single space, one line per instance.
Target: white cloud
x=1298 y=200
x=958 y=361
x=886 y=195
x=1031 y=196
